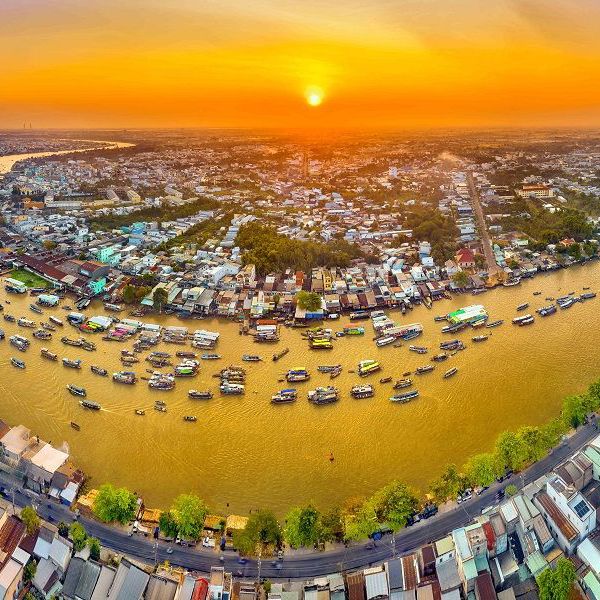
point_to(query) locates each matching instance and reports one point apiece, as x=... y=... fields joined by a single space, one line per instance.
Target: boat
x=284 y=396
x=87 y=345
x=47 y=326
x=402 y=383
x=76 y=390
x=71 y=342
x=523 y=306
x=160 y=408
x=368 y=367
x=385 y=340
x=452 y=345
x=90 y=404
x=362 y=391
x=450 y=372
x=418 y=349
x=251 y=358
x=2 y=334
x=41 y=334
x=190 y=418
x=160 y=381
x=17 y=363
x=359 y=315
x=99 y=371
x=480 y=338
x=385 y=380
x=19 y=342
x=210 y=356
x=297 y=374
x=36 y=309
x=280 y=354
x=320 y=343
x=524 y=320
x=72 y=364
x=353 y=330
x=546 y=311
x=8 y=318
x=335 y=373
x=232 y=389
x=197 y=395
x=512 y=282
x=588 y=295
x=75 y=426
x=127 y=377
x=440 y=357
x=406 y=397
x=47 y=354
x=23 y=322
x=139 y=411
x=494 y=324
x=56 y=321
x=565 y=303
x=439 y=318
x=185 y=354
x=323 y=395
x=454 y=327
x=424 y=369
x=327 y=368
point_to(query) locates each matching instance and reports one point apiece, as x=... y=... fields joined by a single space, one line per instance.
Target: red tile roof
x=557 y=516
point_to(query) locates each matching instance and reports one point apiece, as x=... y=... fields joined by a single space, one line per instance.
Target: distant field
x=29 y=279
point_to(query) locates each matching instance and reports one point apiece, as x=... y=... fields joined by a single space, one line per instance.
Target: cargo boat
x=545 y=311
x=286 y=396
x=23 y=322
x=362 y=391
x=406 y=397
x=196 y=395
x=323 y=395
x=19 y=342
x=368 y=367
x=72 y=364
x=47 y=354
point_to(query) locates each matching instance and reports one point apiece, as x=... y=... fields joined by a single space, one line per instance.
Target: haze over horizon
x=381 y=64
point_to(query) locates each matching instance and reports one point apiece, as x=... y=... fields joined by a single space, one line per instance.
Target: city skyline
x=381 y=65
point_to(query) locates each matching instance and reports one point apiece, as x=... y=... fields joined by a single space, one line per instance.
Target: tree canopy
x=261 y=531
x=556 y=584
x=310 y=301
x=393 y=504
x=78 y=536
x=30 y=519
x=114 y=504
x=303 y=526
x=188 y=512
x=482 y=469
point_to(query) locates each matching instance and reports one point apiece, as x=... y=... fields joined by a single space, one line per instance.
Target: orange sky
x=379 y=63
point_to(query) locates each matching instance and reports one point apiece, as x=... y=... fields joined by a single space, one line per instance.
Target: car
x=429 y=510
x=280 y=555
x=483 y=489
x=169 y=550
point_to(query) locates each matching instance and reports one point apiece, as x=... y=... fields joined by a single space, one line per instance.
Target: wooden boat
x=75 y=426
x=385 y=380
x=76 y=390
x=99 y=371
x=450 y=372
x=402 y=383
x=280 y=354
x=190 y=418
x=47 y=354
x=16 y=362
x=406 y=397
x=90 y=404
x=200 y=395
x=73 y=364
x=140 y=412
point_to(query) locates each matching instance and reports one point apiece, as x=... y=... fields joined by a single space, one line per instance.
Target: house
x=465 y=258
x=10 y=577
x=129 y=583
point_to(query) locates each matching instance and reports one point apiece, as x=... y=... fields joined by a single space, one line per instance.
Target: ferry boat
x=523 y=306
x=139 y=411
x=354 y=330
x=480 y=338
x=47 y=354
x=40 y=334
x=210 y=356
x=450 y=372
x=367 y=367
x=36 y=309
x=406 y=397
x=280 y=354
x=298 y=374
x=386 y=340
x=524 y=320
x=286 y=396
x=17 y=363
x=362 y=391
x=323 y=395
x=496 y=323
x=251 y=358
x=73 y=364
x=418 y=349
x=200 y=395
x=19 y=342
x=190 y=418
x=98 y=371
x=76 y=390
x=90 y=404
x=402 y=383
x=232 y=389
x=23 y=322
x=56 y=321
x=127 y=377
x=546 y=311
x=424 y=369
x=440 y=357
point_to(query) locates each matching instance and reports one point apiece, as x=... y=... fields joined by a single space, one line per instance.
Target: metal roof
x=377 y=585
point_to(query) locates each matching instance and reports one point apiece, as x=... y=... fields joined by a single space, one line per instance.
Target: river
x=7 y=162
x=245 y=453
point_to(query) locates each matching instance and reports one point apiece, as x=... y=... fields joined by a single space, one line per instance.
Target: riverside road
x=303 y=566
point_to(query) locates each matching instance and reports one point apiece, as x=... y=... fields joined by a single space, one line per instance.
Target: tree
x=167 y=524
x=30 y=519
x=511 y=489
x=29 y=571
x=78 y=536
x=536 y=442
x=159 y=298
x=261 y=531
x=94 y=546
x=361 y=521
x=556 y=584
x=63 y=529
x=461 y=279
x=448 y=485
x=332 y=525
x=49 y=244
x=394 y=504
x=309 y=301
x=511 y=451
x=189 y=513
x=303 y=526
x=574 y=411
x=129 y=294
x=482 y=469
x=114 y=504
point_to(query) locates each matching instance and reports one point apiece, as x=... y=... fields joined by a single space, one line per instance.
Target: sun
x=314 y=96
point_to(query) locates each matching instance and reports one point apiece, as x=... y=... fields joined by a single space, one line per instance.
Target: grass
x=29 y=279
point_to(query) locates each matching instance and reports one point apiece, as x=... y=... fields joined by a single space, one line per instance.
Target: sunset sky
x=257 y=63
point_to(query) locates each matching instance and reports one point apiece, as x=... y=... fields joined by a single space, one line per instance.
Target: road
x=305 y=566
x=492 y=266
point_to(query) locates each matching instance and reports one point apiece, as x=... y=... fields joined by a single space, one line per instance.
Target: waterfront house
x=14 y=443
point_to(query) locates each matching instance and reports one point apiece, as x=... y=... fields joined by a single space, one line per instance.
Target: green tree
x=78 y=536
x=94 y=546
x=482 y=469
x=159 y=298
x=189 y=513
x=30 y=519
x=556 y=584
x=309 y=301
x=168 y=524
x=448 y=484
x=63 y=529
x=303 y=526
x=114 y=504
x=536 y=442
x=461 y=279
x=29 y=571
x=394 y=504
x=261 y=531
x=332 y=525
x=574 y=411
x=129 y=294
x=361 y=522
x=511 y=489
x=511 y=450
